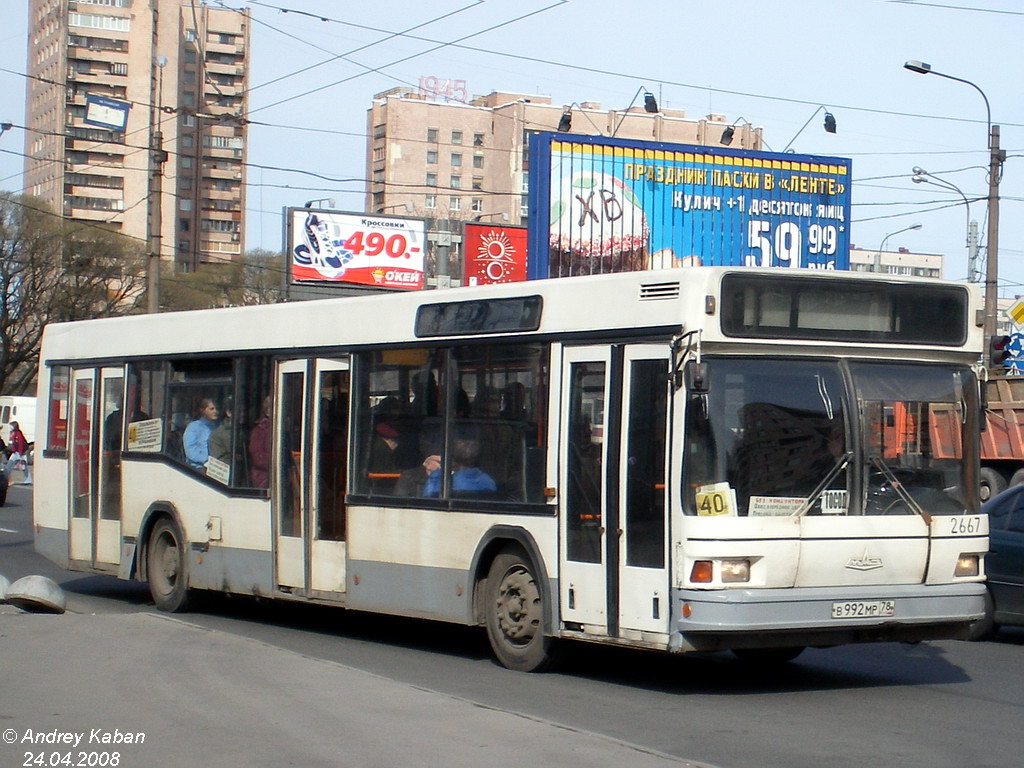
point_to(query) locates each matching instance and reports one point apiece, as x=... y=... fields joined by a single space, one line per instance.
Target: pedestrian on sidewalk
x=19 y=453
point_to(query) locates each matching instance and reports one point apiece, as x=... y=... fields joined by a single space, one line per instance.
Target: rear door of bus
x=94 y=485
x=310 y=477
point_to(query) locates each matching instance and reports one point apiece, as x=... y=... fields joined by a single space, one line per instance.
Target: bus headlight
x=967 y=565
x=735 y=571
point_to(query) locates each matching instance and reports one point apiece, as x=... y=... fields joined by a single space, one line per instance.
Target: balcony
x=212 y=171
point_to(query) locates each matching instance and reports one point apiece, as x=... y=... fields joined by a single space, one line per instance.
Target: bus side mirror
x=696 y=376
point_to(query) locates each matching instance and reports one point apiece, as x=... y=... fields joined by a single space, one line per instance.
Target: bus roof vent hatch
x=659 y=291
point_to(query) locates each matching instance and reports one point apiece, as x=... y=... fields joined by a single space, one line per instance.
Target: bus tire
x=767 y=656
x=167 y=567
x=514 y=613
x=991 y=482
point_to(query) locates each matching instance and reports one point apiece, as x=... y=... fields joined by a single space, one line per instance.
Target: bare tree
x=256 y=278
x=53 y=270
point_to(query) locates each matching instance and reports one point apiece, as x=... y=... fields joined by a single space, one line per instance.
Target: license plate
x=863 y=609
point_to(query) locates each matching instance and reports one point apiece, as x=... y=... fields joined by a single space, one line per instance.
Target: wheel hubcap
x=167 y=563
x=518 y=606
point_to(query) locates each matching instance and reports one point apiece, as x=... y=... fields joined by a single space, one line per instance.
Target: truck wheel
x=992 y=483
x=1018 y=478
x=167 y=568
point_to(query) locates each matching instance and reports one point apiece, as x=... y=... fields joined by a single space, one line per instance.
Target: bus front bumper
x=717 y=620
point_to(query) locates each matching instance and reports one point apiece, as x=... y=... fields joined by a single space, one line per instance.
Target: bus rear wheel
x=167 y=569
x=514 y=614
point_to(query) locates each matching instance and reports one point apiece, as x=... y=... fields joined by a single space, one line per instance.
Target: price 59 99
x=784 y=245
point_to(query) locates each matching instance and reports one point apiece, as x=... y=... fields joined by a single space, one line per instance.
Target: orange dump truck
x=1002 y=441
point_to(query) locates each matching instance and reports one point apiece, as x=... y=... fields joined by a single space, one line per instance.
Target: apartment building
x=898 y=262
x=180 y=69
x=452 y=160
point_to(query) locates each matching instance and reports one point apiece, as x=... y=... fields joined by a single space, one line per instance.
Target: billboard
x=493 y=254
x=612 y=205
x=106 y=113
x=355 y=249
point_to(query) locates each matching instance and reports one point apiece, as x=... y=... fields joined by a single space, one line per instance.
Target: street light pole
x=995 y=170
x=995 y=167
x=881 y=248
x=921 y=176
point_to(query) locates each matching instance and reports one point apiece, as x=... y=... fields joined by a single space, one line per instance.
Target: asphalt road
x=931 y=705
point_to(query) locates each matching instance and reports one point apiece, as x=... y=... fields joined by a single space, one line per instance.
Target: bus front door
x=312 y=435
x=95 y=468
x=613 y=574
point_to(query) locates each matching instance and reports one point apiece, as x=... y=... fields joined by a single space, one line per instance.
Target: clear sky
x=771 y=63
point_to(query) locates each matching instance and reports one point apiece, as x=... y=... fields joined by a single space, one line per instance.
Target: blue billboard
x=615 y=205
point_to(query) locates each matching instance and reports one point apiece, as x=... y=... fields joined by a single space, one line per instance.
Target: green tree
x=53 y=270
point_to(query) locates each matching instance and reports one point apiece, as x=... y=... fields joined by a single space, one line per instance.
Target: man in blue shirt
x=466 y=477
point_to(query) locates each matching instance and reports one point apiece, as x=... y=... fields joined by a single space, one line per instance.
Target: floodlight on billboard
x=494 y=254
x=613 y=205
x=356 y=248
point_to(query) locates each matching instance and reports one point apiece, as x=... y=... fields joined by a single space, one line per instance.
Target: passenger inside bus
x=197 y=434
x=385 y=467
x=468 y=480
x=259 y=446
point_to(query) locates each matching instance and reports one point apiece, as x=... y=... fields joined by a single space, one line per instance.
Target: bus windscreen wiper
x=841 y=463
x=897 y=486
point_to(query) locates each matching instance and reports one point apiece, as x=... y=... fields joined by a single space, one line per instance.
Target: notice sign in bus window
x=354 y=248
x=716 y=500
x=602 y=205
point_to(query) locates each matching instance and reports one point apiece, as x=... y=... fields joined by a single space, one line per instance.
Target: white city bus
x=689 y=460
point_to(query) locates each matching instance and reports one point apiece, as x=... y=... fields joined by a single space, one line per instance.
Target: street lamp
x=921 y=176
x=881 y=248
x=885 y=239
x=482 y=216
x=995 y=166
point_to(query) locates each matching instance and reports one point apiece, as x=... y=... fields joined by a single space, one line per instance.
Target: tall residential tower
x=180 y=69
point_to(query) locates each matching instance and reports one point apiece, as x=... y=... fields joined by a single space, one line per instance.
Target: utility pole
x=972 y=252
x=157 y=158
x=995 y=167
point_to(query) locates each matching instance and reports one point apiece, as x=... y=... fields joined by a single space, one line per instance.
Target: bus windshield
x=795 y=437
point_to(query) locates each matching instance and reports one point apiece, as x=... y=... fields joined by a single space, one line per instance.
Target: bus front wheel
x=515 y=614
x=166 y=567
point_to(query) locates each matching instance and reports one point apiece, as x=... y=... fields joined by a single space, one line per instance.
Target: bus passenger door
x=312 y=439
x=613 y=576
x=95 y=467
x=582 y=576
x=643 y=579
